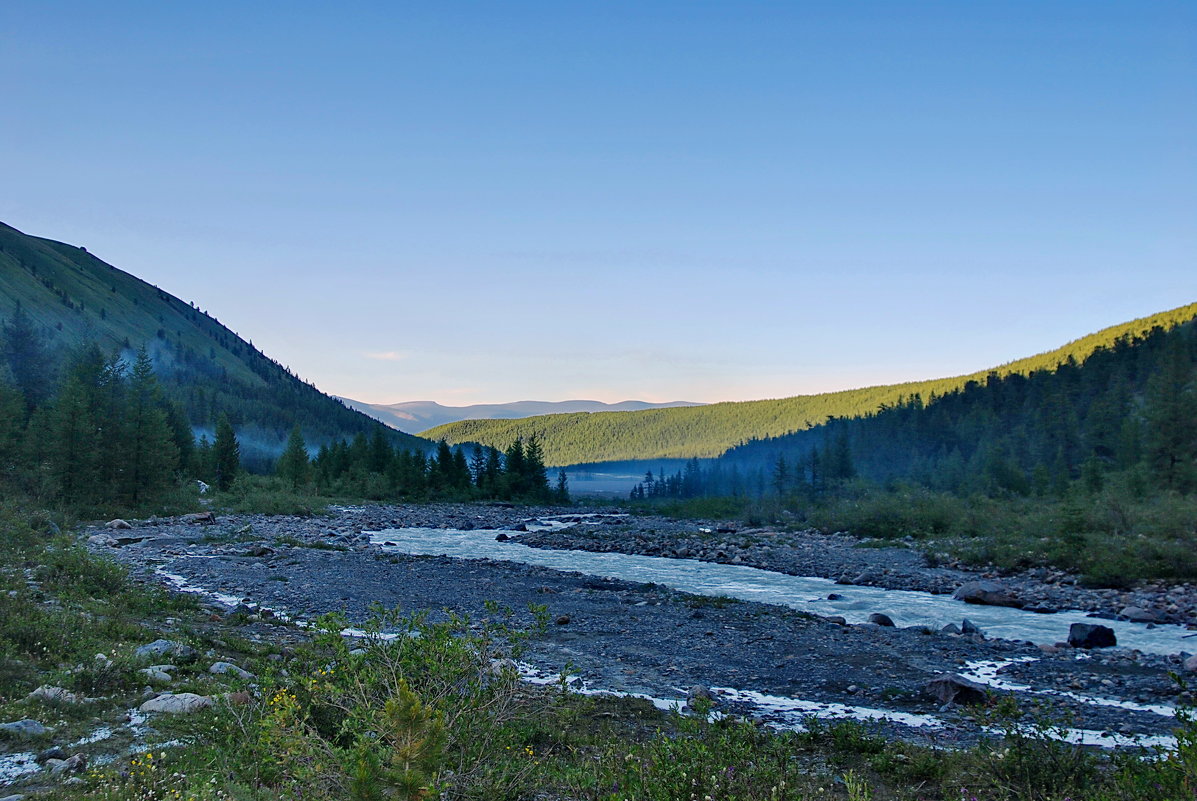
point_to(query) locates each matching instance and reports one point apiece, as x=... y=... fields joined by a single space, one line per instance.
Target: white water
x=808 y=594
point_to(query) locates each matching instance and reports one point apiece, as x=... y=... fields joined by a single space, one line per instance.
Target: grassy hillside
x=74 y=297
x=707 y=431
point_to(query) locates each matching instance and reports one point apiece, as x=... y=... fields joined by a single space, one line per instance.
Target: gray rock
x=117 y=524
x=75 y=764
x=951 y=628
x=1091 y=635
x=987 y=593
x=102 y=540
x=880 y=619
x=156 y=675
x=55 y=752
x=699 y=693
x=1191 y=664
x=178 y=650
x=969 y=627
x=229 y=667
x=53 y=695
x=24 y=729
x=949 y=688
x=177 y=703
x=1137 y=614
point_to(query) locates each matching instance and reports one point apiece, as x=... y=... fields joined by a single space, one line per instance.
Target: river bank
x=637 y=637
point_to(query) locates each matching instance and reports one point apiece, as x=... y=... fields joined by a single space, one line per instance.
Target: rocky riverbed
x=646 y=638
x=852 y=561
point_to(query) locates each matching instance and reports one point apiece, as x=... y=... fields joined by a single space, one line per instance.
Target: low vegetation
x=436 y=709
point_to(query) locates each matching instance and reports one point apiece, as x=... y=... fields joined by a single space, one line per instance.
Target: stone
x=838 y=620
x=55 y=752
x=23 y=729
x=75 y=764
x=206 y=518
x=100 y=540
x=1091 y=635
x=879 y=619
x=501 y=537
x=987 y=593
x=228 y=667
x=699 y=693
x=969 y=627
x=117 y=524
x=951 y=628
x=53 y=695
x=1137 y=614
x=562 y=620
x=259 y=550
x=155 y=675
x=834 y=596
x=178 y=650
x=950 y=688
x=1191 y=664
x=177 y=703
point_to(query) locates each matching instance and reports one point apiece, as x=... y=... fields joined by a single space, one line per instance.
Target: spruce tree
x=1171 y=435
x=226 y=454
x=150 y=455
x=294 y=466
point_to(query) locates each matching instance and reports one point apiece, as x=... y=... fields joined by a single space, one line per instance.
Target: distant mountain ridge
x=708 y=431
x=72 y=297
x=416 y=416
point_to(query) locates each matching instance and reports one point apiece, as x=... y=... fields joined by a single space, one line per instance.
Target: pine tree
x=1171 y=436
x=150 y=455
x=294 y=466
x=561 y=494
x=24 y=351
x=226 y=454
x=537 y=479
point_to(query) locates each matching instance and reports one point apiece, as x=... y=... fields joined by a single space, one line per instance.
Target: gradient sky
x=657 y=200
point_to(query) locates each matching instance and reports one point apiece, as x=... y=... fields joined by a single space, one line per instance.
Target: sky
x=488 y=202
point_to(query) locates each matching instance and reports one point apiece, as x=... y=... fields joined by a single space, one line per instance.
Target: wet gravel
x=638 y=637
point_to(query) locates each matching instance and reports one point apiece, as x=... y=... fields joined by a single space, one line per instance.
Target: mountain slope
x=707 y=431
x=416 y=416
x=72 y=297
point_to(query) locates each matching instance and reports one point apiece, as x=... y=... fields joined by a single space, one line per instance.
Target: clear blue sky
x=659 y=200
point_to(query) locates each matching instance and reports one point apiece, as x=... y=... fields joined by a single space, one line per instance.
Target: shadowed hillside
x=67 y=297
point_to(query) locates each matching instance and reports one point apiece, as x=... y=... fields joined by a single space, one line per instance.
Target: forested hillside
x=1129 y=408
x=708 y=431
x=58 y=296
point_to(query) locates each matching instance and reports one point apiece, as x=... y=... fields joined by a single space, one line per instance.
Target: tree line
x=101 y=433
x=370 y=467
x=1129 y=409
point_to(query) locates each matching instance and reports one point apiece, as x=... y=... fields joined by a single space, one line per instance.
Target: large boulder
x=1091 y=635
x=881 y=619
x=987 y=593
x=177 y=703
x=1191 y=664
x=949 y=688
